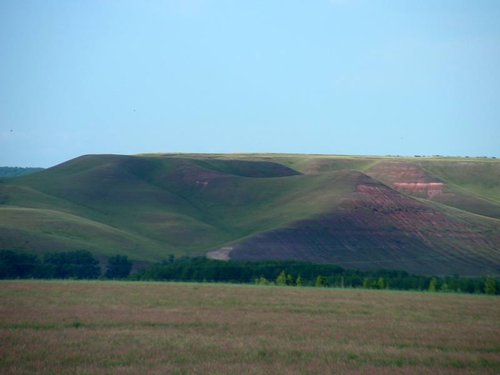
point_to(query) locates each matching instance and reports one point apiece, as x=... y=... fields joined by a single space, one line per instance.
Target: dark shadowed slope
x=415 y=215
x=377 y=227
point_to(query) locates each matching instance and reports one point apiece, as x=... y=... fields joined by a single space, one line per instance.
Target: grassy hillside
x=182 y=205
x=169 y=328
x=6 y=172
x=428 y=216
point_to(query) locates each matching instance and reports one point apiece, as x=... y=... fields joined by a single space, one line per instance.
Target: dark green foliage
x=262 y=281
x=281 y=279
x=73 y=264
x=433 y=285
x=490 y=285
x=119 y=267
x=78 y=264
x=285 y=279
x=82 y=265
x=199 y=269
x=299 y=281
x=300 y=274
x=444 y=287
x=321 y=281
x=374 y=283
x=18 y=265
x=381 y=284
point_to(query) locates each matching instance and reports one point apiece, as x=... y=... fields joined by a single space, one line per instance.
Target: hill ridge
x=195 y=204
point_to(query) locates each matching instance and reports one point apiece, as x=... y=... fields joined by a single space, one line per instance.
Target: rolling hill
x=17 y=171
x=423 y=215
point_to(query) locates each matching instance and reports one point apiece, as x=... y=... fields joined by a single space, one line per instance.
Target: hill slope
x=17 y=171
x=423 y=216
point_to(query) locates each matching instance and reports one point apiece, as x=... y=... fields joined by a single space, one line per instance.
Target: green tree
x=78 y=264
x=262 y=281
x=290 y=280
x=321 y=281
x=281 y=279
x=18 y=265
x=299 y=281
x=490 y=285
x=445 y=287
x=119 y=267
x=433 y=285
x=366 y=283
x=380 y=283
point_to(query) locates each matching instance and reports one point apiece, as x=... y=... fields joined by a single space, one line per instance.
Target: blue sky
x=327 y=76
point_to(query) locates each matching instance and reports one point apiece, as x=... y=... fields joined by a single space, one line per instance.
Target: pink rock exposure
x=432 y=189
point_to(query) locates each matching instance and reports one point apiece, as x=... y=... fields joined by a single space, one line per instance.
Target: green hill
x=17 y=171
x=439 y=216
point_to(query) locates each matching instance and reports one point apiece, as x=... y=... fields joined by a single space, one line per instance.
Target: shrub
x=281 y=279
x=18 y=265
x=321 y=281
x=262 y=281
x=380 y=283
x=490 y=285
x=299 y=281
x=78 y=264
x=433 y=285
x=119 y=267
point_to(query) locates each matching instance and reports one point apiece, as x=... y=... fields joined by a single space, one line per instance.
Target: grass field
x=170 y=328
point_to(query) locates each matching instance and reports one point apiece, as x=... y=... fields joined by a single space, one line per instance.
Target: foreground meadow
x=171 y=328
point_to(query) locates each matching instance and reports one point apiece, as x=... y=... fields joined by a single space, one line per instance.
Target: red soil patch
x=408 y=178
x=378 y=227
x=431 y=189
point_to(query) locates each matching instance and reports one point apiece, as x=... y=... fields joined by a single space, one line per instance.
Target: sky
x=356 y=77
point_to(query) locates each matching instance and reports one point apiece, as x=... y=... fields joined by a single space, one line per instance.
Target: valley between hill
x=422 y=215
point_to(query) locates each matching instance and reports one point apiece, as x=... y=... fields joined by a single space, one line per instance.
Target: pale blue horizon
x=352 y=77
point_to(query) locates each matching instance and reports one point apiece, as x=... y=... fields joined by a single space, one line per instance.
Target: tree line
x=79 y=264
x=293 y=273
x=82 y=264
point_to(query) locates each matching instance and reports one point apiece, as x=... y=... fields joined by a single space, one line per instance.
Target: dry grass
x=167 y=328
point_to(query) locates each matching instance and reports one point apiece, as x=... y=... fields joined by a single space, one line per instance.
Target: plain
x=186 y=328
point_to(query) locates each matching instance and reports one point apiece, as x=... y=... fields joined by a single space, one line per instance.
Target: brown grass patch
x=159 y=328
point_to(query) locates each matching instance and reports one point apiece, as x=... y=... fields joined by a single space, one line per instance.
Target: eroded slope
x=378 y=227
